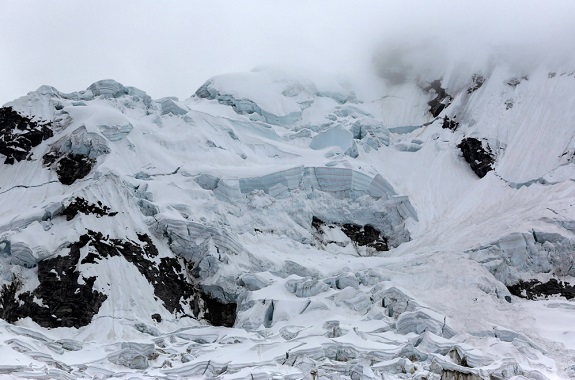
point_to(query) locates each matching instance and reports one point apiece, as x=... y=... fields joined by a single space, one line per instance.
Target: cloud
x=171 y=48
x=480 y=34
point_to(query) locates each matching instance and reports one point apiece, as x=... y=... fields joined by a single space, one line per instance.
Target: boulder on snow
x=479 y=157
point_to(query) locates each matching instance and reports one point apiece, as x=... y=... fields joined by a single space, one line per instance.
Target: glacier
x=275 y=225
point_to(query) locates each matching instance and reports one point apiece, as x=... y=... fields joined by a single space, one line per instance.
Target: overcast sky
x=171 y=47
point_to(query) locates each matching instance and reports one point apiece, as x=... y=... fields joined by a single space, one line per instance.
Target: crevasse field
x=279 y=225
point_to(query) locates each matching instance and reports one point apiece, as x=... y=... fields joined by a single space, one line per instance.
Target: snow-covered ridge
x=320 y=229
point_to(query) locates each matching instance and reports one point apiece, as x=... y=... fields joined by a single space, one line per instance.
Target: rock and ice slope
x=275 y=226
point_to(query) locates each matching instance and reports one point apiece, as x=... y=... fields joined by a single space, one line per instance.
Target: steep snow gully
x=278 y=226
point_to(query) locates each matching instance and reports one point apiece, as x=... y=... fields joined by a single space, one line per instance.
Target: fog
x=170 y=48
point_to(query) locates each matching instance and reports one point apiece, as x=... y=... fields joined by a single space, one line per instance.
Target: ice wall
x=339 y=182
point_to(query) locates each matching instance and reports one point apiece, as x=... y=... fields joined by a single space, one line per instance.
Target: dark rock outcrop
x=73 y=156
x=479 y=158
x=449 y=123
x=19 y=134
x=81 y=205
x=478 y=81
x=442 y=98
x=217 y=312
x=362 y=235
x=535 y=289
x=513 y=82
x=70 y=167
x=168 y=277
x=8 y=303
x=365 y=236
x=65 y=301
x=178 y=292
x=316 y=223
x=65 y=298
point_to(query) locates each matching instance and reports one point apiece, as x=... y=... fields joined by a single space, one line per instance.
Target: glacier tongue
x=273 y=226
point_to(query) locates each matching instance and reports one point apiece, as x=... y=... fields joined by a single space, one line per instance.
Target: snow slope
x=279 y=226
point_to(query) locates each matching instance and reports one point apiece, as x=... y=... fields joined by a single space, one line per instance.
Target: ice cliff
x=274 y=225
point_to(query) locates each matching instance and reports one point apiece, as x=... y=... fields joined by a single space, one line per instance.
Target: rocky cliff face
x=316 y=231
x=19 y=134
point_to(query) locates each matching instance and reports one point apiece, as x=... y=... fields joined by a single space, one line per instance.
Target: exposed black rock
x=449 y=123
x=69 y=166
x=168 y=277
x=19 y=134
x=479 y=158
x=478 y=81
x=83 y=206
x=72 y=167
x=8 y=303
x=65 y=301
x=365 y=236
x=441 y=100
x=317 y=223
x=513 y=82
x=362 y=235
x=535 y=289
x=217 y=312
